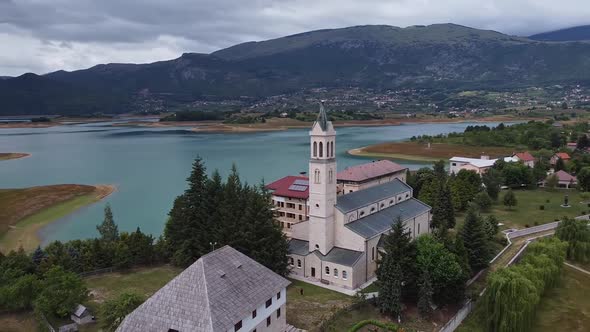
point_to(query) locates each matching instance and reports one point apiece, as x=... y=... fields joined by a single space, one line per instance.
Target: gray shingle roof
x=381 y=221
x=213 y=294
x=361 y=198
x=299 y=247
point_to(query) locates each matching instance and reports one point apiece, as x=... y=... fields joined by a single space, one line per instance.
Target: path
x=577 y=268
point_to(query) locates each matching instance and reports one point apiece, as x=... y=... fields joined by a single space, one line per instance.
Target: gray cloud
x=46 y=35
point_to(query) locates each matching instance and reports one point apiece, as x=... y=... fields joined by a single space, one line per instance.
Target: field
x=11 y=155
x=24 y=211
x=528 y=212
x=421 y=151
x=18 y=322
x=316 y=304
x=567 y=307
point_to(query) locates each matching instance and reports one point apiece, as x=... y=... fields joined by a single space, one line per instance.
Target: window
x=290 y=205
x=335 y=273
x=407 y=195
x=300 y=207
x=362 y=213
x=291 y=261
x=373 y=253
x=382 y=205
x=344 y=275
x=315 y=149
x=330 y=176
x=299 y=263
x=327 y=271
x=391 y=202
x=332 y=149
x=269 y=302
x=373 y=209
x=316 y=177
x=300 y=217
x=321 y=149
x=238 y=326
x=349 y=191
x=278 y=312
x=454 y=164
x=278 y=295
x=268 y=321
x=317 y=246
x=418 y=228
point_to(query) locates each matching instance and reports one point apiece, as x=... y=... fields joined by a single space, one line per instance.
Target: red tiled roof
x=281 y=187
x=564 y=176
x=574 y=144
x=369 y=171
x=524 y=156
x=563 y=155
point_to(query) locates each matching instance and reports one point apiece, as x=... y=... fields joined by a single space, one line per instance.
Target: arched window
x=316 y=175
x=291 y=261
x=336 y=273
x=327 y=270
x=344 y=275
x=315 y=149
x=373 y=253
x=299 y=263
x=330 y=176
x=418 y=228
x=321 y=149
x=332 y=149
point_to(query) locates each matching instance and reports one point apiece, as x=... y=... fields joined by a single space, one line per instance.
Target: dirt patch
x=433 y=151
x=13 y=155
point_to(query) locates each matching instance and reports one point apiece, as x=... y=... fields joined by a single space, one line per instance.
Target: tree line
x=432 y=269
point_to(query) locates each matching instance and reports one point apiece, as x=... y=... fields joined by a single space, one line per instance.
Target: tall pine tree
x=109 y=232
x=475 y=240
x=400 y=248
x=443 y=212
x=390 y=287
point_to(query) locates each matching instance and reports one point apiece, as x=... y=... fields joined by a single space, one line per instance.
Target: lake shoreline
x=25 y=232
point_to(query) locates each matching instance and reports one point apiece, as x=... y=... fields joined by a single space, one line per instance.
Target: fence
x=456 y=320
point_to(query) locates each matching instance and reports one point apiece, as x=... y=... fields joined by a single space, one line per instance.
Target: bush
x=526 y=226
x=542 y=207
x=547 y=201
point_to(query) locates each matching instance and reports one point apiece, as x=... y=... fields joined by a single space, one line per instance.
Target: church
x=338 y=243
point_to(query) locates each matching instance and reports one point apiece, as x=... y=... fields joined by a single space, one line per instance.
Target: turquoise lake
x=149 y=165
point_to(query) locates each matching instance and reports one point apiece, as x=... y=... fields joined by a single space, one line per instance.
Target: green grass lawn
x=527 y=211
x=307 y=311
x=567 y=307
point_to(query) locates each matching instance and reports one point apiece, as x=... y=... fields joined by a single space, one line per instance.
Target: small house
x=572 y=146
x=560 y=155
x=82 y=315
x=525 y=157
x=564 y=179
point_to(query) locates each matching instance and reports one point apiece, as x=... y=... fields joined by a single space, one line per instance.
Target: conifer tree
x=400 y=248
x=109 y=232
x=475 y=240
x=443 y=213
x=390 y=287
x=425 y=294
x=38 y=256
x=186 y=230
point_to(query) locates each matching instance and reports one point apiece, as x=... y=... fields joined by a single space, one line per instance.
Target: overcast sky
x=46 y=35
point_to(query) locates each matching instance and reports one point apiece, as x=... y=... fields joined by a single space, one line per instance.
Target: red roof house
x=290 y=186
x=524 y=156
x=565 y=180
x=559 y=155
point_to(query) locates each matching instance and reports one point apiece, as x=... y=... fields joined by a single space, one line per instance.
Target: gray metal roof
x=213 y=294
x=340 y=256
x=337 y=255
x=322 y=117
x=361 y=198
x=381 y=221
x=299 y=247
x=80 y=310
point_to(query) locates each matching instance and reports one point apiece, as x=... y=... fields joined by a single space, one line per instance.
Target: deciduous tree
x=108 y=230
x=113 y=311
x=509 y=199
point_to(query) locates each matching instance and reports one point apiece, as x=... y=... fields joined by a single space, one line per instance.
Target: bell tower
x=322 y=184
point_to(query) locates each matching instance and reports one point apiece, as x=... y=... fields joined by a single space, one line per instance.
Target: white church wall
x=300 y=230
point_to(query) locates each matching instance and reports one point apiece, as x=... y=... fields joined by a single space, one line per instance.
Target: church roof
x=369 y=171
x=213 y=294
x=337 y=255
x=361 y=198
x=381 y=221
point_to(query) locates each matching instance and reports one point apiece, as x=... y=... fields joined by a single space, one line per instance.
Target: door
x=313 y=272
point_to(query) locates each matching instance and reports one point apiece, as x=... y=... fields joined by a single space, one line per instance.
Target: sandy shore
x=13 y=155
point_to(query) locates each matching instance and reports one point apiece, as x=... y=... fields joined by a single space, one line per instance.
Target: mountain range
x=378 y=57
x=578 y=33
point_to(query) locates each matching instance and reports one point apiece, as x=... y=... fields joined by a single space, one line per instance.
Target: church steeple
x=322 y=184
